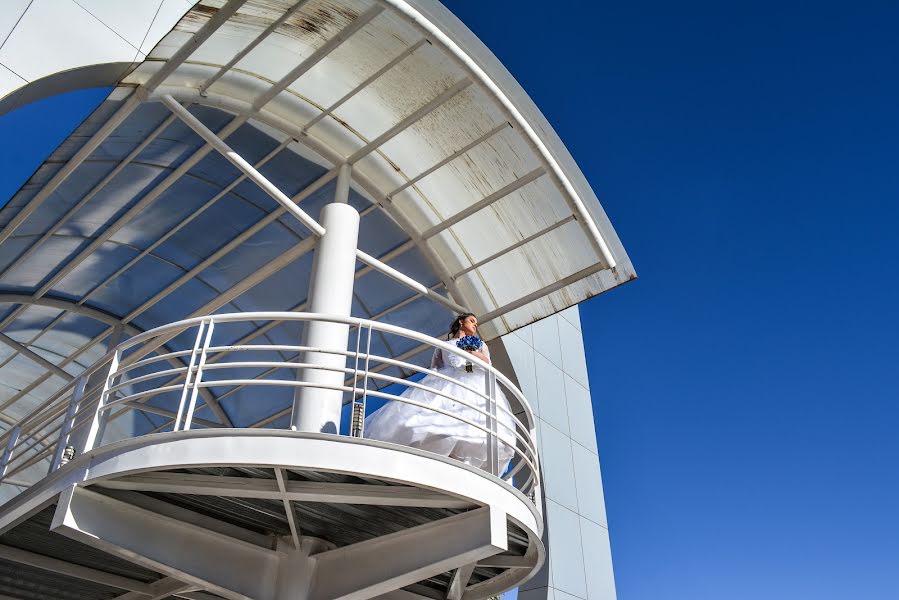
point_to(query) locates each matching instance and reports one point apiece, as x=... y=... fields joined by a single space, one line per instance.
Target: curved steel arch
x=69 y=306
x=103 y=317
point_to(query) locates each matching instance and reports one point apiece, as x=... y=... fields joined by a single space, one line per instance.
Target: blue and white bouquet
x=469 y=342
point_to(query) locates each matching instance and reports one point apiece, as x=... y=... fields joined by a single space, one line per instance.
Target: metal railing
x=135 y=379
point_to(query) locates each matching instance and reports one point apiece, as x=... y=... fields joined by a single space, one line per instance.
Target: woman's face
x=469 y=326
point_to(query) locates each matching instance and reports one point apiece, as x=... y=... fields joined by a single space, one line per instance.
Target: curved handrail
x=137 y=371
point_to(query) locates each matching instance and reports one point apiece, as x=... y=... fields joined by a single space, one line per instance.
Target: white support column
x=330 y=292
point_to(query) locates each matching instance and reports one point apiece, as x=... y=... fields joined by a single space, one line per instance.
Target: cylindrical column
x=330 y=292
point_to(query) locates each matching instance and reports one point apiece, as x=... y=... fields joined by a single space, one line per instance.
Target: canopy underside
x=134 y=221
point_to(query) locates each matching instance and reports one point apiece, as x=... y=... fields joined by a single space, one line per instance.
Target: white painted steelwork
x=101 y=502
x=466 y=195
x=330 y=291
x=460 y=132
x=132 y=379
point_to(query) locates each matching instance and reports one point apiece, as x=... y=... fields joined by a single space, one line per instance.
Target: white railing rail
x=136 y=377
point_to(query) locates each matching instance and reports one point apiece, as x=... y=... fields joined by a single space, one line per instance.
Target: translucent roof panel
x=134 y=221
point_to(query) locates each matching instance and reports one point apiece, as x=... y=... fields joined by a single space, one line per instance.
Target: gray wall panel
x=549 y=364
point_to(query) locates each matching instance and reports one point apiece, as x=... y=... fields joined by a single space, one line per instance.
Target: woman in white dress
x=420 y=427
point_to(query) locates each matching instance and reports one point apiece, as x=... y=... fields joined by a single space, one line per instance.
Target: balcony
x=186 y=437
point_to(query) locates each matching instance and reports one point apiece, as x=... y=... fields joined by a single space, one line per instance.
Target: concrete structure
x=549 y=362
x=172 y=416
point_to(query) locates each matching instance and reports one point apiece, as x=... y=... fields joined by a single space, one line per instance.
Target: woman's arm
x=454 y=360
x=483 y=353
x=480 y=355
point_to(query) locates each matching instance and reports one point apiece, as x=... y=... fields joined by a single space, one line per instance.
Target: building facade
x=296 y=181
x=548 y=357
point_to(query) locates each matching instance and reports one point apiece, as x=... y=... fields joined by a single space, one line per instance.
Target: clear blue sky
x=746 y=385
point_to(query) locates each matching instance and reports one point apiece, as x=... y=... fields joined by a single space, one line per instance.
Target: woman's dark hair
x=457 y=325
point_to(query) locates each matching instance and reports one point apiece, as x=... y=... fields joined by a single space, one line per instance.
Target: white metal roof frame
x=440 y=137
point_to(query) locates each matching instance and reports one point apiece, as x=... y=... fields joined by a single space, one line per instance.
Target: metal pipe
x=238 y=161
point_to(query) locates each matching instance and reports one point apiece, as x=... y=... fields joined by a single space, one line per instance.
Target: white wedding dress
x=419 y=427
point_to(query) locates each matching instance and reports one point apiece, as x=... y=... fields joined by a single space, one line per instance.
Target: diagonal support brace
x=375 y=567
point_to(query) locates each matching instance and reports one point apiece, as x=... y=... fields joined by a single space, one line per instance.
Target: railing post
x=357 y=415
x=357 y=419
x=14 y=434
x=98 y=423
x=492 y=438
x=67 y=423
x=188 y=376
x=199 y=377
x=76 y=439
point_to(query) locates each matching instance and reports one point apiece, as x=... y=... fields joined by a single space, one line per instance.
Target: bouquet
x=469 y=342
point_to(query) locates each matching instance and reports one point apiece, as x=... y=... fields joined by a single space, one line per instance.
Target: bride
x=420 y=427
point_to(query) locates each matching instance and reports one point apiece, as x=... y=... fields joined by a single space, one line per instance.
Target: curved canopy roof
x=135 y=220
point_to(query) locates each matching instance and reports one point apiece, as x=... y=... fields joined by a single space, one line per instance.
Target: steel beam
x=249 y=47
x=483 y=203
x=216 y=142
x=35 y=357
x=239 y=570
x=203 y=558
x=90 y=195
x=459 y=581
x=390 y=562
x=368 y=81
x=412 y=118
x=62 y=567
x=289 y=205
x=59 y=317
x=549 y=289
x=449 y=159
x=138 y=207
x=313 y=59
x=293 y=491
x=131 y=103
x=412 y=16
x=515 y=246
x=178 y=513
x=509 y=562
x=404 y=279
x=288 y=508
x=184 y=222
x=158 y=590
